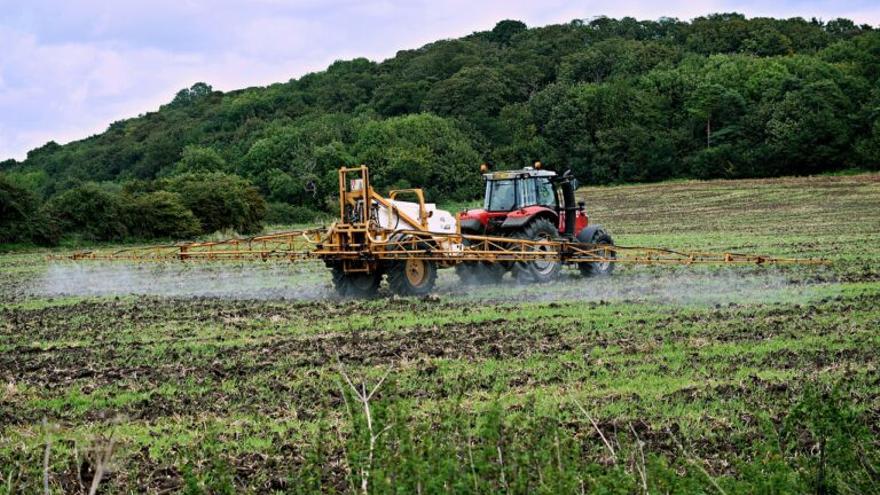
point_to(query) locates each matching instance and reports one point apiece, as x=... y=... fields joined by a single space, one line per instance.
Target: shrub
x=283 y=213
x=94 y=212
x=162 y=214
x=220 y=201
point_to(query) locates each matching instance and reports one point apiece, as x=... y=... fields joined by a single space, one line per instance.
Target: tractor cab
x=512 y=190
x=515 y=198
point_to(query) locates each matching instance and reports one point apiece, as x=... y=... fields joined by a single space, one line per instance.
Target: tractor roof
x=523 y=172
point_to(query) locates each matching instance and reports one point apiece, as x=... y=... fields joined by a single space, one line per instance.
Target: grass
x=701 y=379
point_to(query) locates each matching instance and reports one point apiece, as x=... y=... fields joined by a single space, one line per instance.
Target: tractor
x=532 y=204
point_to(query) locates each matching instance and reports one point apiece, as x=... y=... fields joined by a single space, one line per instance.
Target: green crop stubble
x=246 y=394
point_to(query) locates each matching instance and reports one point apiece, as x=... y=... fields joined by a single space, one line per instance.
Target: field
x=240 y=378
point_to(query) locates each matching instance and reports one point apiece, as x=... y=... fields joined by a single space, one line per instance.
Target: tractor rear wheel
x=412 y=277
x=600 y=268
x=356 y=285
x=539 y=271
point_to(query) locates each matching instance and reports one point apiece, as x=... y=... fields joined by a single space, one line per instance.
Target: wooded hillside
x=614 y=100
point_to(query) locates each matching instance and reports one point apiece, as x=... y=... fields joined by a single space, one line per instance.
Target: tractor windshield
x=500 y=195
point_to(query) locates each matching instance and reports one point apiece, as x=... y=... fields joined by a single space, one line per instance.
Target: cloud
x=69 y=69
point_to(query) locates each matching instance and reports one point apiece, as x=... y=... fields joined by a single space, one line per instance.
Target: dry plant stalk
x=102 y=460
x=596 y=426
x=364 y=397
x=46 y=453
x=640 y=464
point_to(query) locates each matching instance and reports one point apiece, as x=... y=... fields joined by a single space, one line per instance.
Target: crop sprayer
x=530 y=225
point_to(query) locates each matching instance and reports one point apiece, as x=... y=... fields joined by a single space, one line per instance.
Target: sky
x=69 y=68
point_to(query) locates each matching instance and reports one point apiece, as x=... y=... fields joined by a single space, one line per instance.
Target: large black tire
x=479 y=272
x=542 y=271
x=412 y=277
x=604 y=268
x=356 y=285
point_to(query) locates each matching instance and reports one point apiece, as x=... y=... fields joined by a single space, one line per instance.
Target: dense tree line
x=615 y=100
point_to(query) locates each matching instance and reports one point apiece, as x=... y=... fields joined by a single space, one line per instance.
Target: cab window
x=546 y=192
x=526 y=192
x=500 y=195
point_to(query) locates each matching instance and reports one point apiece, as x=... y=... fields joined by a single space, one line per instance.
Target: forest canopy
x=614 y=100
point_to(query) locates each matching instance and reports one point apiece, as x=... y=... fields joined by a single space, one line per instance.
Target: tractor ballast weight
x=408 y=241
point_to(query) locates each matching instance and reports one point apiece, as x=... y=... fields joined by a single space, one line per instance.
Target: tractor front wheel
x=412 y=277
x=539 y=271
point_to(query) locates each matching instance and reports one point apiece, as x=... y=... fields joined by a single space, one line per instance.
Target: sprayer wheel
x=539 y=271
x=412 y=277
x=356 y=285
x=600 y=268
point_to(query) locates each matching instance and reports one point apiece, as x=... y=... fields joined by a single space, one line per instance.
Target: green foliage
x=220 y=201
x=868 y=148
x=163 y=214
x=283 y=213
x=94 y=211
x=830 y=441
x=504 y=31
x=197 y=159
x=16 y=206
x=188 y=96
x=420 y=151
x=21 y=220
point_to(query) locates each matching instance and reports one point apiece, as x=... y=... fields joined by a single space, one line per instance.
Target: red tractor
x=534 y=204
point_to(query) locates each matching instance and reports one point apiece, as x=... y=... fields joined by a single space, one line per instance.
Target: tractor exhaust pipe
x=567 y=185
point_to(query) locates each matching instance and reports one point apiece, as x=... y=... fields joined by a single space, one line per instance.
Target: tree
x=400 y=97
x=188 y=96
x=842 y=27
x=715 y=105
x=420 y=151
x=505 y=30
x=808 y=129
x=767 y=41
x=476 y=94
x=196 y=159
x=718 y=33
x=614 y=58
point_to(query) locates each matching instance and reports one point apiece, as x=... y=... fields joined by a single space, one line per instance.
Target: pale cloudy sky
x=68 y=68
